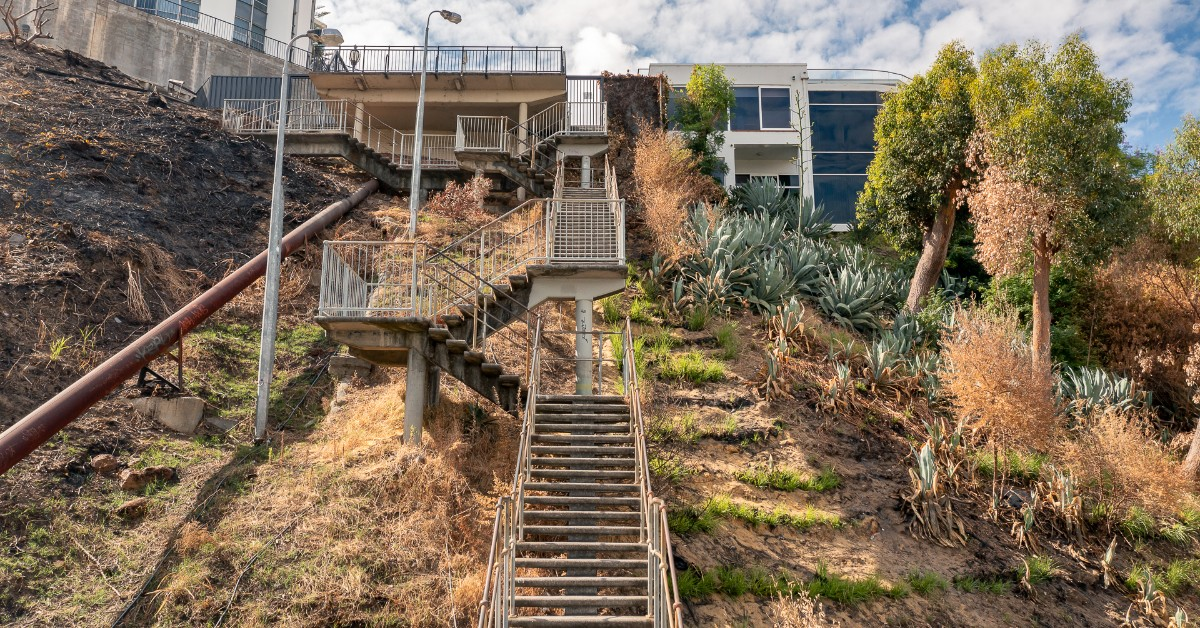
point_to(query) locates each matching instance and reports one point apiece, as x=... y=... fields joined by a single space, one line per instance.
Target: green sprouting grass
x=705 y=517
x=1040 y=569
x=1179 y=575
x=1138 y=524
x=697 y=319
x=973 y=584
x=610 y=309
x=679 y=428
x=728 y=341
x=695 y=584
x=692 y=367
x=643 y=311
x=785 y=479
x=1024 y=467
x=668 y=468
x=927 y=582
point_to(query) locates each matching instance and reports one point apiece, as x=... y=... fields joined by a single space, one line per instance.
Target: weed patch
x=692 y=367
x=785 y=479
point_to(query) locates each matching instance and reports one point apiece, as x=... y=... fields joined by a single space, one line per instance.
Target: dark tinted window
x=838 y=194
x=845 y=98
x=843 y=128
x=841 y=163
x=673 y=98
x=776 y=108
x=745 y=109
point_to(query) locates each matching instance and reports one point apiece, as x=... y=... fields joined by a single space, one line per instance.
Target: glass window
x=741 y=179
x=776 y=108
x=841 y=163
x=847 y=128
x=745 y=109
x=673 y=98
x=190 y=12
x=857 y=97
x=838 y=194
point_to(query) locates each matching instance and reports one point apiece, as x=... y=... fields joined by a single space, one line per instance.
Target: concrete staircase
x=581 y=554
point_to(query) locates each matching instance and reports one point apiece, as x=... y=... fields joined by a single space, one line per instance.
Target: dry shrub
x=987 y=373
x=798 y=610
x=461 y=201
x=192 y=537
x=666 y=182
x=1145 y=309
x=1117 y=461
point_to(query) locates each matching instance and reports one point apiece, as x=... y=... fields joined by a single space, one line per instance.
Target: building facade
x=812 y=130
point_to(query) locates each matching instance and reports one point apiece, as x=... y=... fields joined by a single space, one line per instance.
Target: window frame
x=761 y=128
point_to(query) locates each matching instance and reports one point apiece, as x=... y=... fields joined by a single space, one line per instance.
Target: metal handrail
x=484 y=60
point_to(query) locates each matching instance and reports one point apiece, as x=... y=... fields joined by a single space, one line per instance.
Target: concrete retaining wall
x=150 y=48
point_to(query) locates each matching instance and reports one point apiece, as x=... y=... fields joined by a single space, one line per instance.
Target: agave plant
x=1087 y=389
x=788 y=320
x=772 y=283
x=1022 y=529
x=929 y=506
x=883 y=364
x=1065 y=503
x=812 y=221
x=805 y=264
x=1106 y=563
x=760 y=195
x=853 y=300
x=839 y=390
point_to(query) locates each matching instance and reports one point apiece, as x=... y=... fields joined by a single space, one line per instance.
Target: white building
x=813 y=130
x=263 y=25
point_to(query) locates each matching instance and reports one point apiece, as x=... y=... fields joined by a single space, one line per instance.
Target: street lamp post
x=266 y=355
x=414 y=194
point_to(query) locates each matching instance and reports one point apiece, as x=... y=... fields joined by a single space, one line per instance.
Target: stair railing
x=499 y=586
x=662 y=584
x=486 y=134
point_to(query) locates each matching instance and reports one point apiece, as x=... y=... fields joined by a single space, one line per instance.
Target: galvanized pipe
x=38 y=426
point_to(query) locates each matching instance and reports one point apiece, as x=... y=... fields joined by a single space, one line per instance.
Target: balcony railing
x=189 y=15
x=443 y=60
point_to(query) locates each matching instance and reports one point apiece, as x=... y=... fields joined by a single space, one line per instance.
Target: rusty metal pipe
x=38 y=426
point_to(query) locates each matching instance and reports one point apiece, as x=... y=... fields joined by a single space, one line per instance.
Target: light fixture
x=451 y=16
x=326 y=36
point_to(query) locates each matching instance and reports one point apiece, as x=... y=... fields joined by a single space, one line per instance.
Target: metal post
x=414 y=192
x=583 y=347
x=266 y=355
x=585 y=175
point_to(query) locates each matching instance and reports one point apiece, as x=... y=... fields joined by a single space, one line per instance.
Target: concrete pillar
x=585 y=172
x=583 y=347
x=414 y=397
x=522 y=132
x=433 y=387
x=359 y=115
x=520 y=195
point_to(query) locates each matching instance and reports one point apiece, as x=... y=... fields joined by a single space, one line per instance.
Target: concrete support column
x=433 y=386
x=585 y=172
x=583 y=347
x=520 y=195
x=522 y=132
x=359 y=115
x=414 y=397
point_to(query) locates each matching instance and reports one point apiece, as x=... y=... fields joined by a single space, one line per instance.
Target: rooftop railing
x=443 y=60
x=189 y=15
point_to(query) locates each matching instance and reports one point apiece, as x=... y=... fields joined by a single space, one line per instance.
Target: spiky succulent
x=853 y=299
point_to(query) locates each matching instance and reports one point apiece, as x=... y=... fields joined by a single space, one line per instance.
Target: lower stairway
x=580 y=551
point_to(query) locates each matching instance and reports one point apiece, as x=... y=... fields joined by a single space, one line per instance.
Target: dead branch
x=41 y=13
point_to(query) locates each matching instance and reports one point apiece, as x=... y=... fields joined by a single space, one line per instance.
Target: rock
x=154 y=100
x=181 y=414
x=160 y=474
x=16 y=239
x=105 y=463
x=342 y=367
x=133 y=508
x=870 y=525
x=132 y=481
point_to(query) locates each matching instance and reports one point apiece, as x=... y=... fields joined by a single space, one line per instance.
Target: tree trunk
x=933 y=253
x=1041 y=303
x=1191 y=464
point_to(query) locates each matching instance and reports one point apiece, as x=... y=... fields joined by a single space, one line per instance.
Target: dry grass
x=1118 y=462
x=986 y=373
x=461 y=201
x=666 y=181
x=798 y=610
x=381 y=532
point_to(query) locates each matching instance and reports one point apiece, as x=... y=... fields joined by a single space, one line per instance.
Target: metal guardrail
x=488 y=134
x=191 y=17
x=484 y=60
x=590 y=231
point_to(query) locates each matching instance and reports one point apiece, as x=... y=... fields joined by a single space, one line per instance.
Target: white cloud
x=1153 y=43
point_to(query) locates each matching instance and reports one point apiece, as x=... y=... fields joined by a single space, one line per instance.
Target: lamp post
x=266 y=355
x=414 y=194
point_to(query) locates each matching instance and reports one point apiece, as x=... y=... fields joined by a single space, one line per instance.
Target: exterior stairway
x=582 y=541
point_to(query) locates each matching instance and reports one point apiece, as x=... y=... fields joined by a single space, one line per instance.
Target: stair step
x=572 y=408
x=573 y=461
x=591 y=474
x=582 y=515
x=581 y=449
x=571 y=530
x=518 y=281
x=585 y=439
x=439 y=333
x=588 y=417
x=579 y=546
x=582 y=428
x=579 y=621
x=558 y=500
x=564 y=582
x=473 y=357
x=581 y=399
x=510 y=380
x=562 y=564
x=491 y=368
x=581 y=487
x=579 y=601
x=457 y=346
x=452 y=320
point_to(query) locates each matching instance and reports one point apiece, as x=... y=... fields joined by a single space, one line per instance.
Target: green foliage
x=1070 y=304
x=1138 y=524
x=855 y=299
x=1037 y=569
x=1016 y=465
x=693 y=367
x=850 y=591
x=921 y=138
x=1174 y=189
x=669 y=468
x=706 y=517
x=765 y=196
x=680 y=428
x=974 y=584
x=610 y=309
x=728 y=341
x=927 y=582
x=703 y=115
x=1086 y=389
x=642 y=311
x=785 y=479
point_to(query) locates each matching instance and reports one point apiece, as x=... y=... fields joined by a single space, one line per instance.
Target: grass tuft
x=973 y=584
x=927 y=582
x=692 y=367
x=728 y=341
x=785 y=479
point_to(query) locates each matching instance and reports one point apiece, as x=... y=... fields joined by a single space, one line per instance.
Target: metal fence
x=492 y=134
x=586 y=231
x=262 y=116
x=189 y=15
x=443 y=60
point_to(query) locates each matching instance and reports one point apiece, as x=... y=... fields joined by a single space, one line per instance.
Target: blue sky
x=1155 y=44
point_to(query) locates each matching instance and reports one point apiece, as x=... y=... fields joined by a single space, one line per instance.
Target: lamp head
x=326 y=36
x=451 y=16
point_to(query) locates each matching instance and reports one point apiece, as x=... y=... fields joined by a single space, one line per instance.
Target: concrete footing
x=181 y=414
